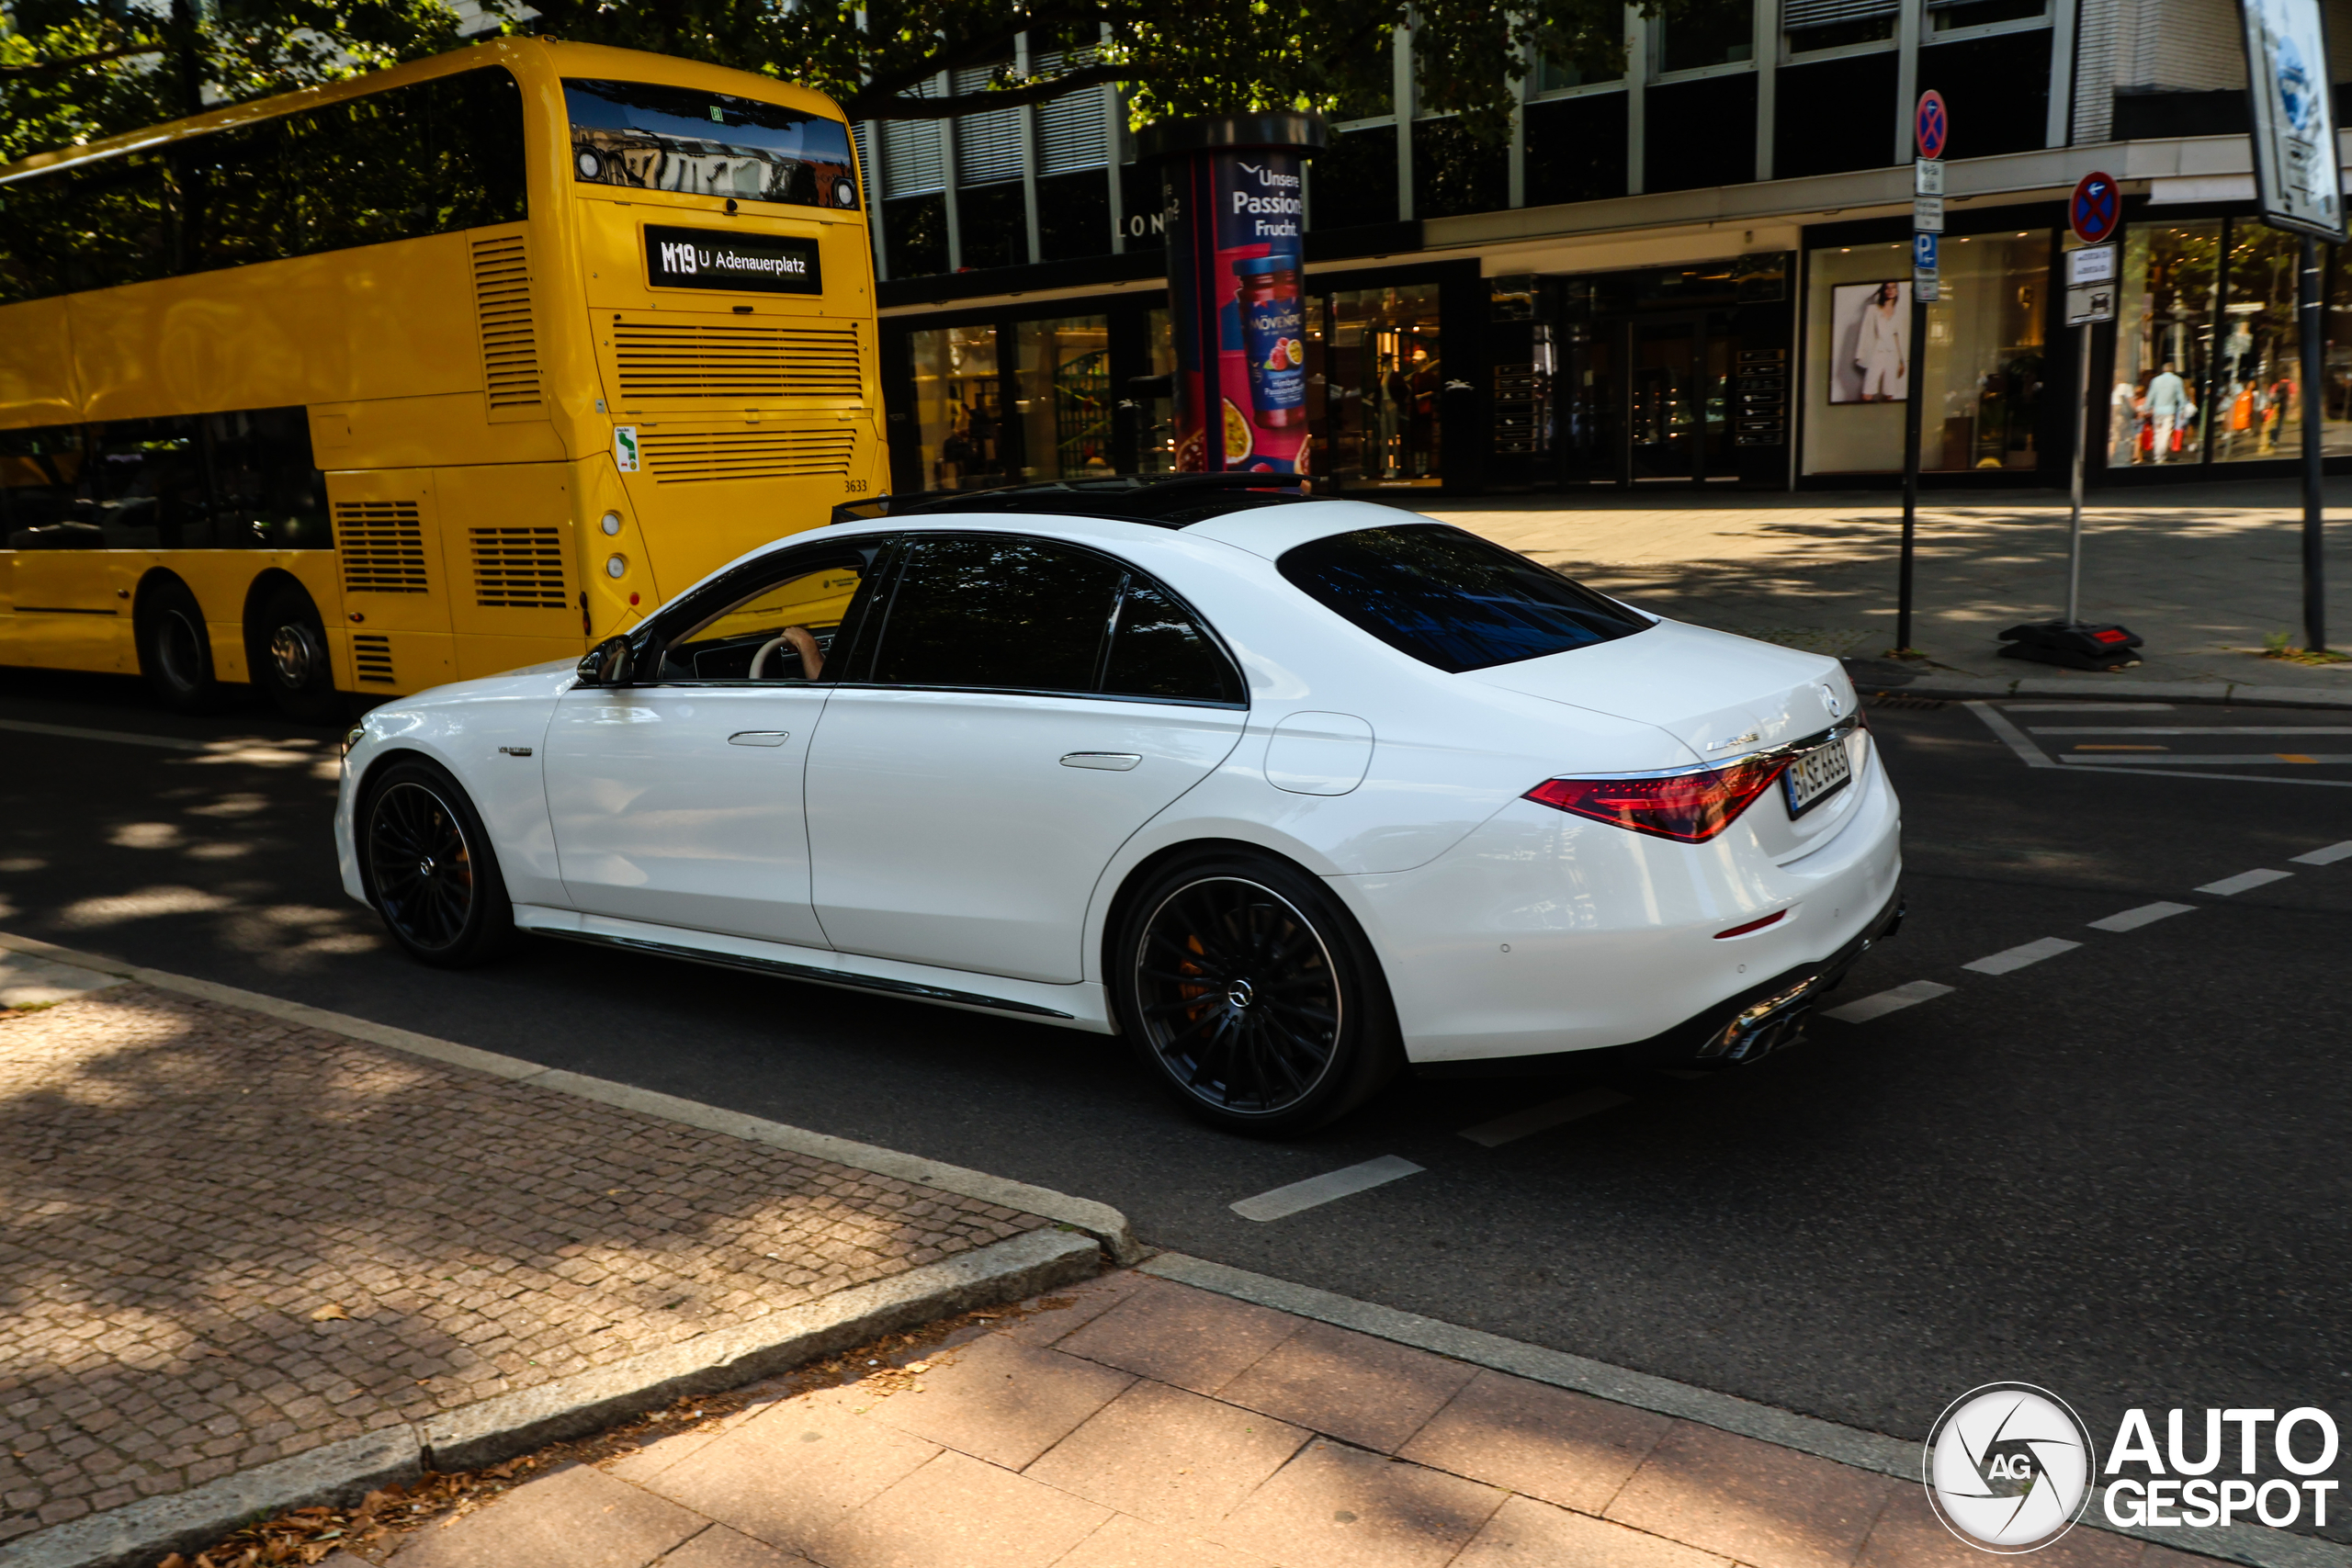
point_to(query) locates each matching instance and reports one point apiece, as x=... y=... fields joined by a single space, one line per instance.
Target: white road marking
x=2327 y=856
x=2186 y=729
x=2032 y=756
x=2146 y=914
x=247 y=750
x=2244 y=881
x=2088 y=707
x=1542 y=1118
x=73 y=732
x=2014 y=958
x=1323 y=1189
x=1883 y=1002
x=2210 y=760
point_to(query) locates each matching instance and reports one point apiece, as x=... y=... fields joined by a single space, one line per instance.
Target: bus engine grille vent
x=372 y=655
x=381 y=545
x=662 y=360
x=510 y=346
x=518 y=569
x=690 y=457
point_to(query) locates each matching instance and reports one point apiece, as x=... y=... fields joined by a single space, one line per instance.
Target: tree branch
x=871 y=104
x=76 y=63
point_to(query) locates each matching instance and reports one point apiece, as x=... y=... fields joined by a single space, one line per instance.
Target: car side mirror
x=607 y=663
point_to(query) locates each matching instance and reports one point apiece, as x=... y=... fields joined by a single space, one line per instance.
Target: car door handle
x=1109 y=761
x=759 y=737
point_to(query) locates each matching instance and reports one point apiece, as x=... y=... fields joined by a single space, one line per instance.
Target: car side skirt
x=1081 y=1007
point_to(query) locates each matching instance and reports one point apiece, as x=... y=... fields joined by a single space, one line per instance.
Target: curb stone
x=2251 y=1545
x=137 y=1534
x=1873 y=674
x=1103 y=1223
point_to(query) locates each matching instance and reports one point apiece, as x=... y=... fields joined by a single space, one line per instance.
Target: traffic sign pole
x=1930 y=128
x=2082 y=439
x=2314 y=414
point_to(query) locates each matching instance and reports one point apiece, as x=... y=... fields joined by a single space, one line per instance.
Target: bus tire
x=175 y=651
x=429 y=867
x=290 y=659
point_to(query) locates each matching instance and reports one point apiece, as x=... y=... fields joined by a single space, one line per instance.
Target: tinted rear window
x=1452 y=599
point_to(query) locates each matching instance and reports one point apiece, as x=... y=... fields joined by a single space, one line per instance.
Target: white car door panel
x=967 y=828
x=666 y=809
x=677 y=801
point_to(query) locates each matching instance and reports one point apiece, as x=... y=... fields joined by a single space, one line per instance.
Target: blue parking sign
x=1923 y=252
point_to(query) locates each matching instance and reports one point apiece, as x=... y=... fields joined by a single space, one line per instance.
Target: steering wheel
x=759 y=660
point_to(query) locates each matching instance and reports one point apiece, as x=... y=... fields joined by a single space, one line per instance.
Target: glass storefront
x=1062 y=396
x=959 y=407
x=1980 y=377
x=1374 y=385
x=2208 y=363
x=2164 y=344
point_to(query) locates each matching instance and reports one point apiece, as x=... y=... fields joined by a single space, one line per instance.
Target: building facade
x=1693 y=273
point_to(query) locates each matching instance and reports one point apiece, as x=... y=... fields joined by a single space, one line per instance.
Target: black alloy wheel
x=431 y=872
x=289 y=657
x=174 y=652
x=1254 y=996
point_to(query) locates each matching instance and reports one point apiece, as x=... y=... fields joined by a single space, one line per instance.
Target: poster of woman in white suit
x=1869 y=330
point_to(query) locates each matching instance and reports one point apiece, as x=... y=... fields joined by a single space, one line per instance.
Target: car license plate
x=1813 y=776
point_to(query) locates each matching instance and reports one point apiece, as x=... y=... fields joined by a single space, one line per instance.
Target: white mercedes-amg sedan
x=1290 y=793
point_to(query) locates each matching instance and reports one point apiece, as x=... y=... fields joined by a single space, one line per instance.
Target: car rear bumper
x=1543 y=933
x=1744 y=1029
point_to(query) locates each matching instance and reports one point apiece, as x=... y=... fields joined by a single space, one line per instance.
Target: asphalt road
x=2117 y=1171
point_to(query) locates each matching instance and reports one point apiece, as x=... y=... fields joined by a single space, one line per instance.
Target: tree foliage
x=71 y=70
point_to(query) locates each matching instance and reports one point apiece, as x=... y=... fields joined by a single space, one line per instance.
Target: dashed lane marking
x=2185 y=729
x=2327 y=856
x=2222 y=759
x=2014 y=958
x=2088 y=707
x=1883 y=1002
x=1544 y=1117
x=2244 y=881
x=2146 y=914
x=1319 y=1190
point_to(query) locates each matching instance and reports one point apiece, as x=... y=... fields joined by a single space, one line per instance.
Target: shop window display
x=1062 y=396
x=1980 y=375
x=959 y=406
x=2164 y=344
x=1155 y=401
x=1374 y=385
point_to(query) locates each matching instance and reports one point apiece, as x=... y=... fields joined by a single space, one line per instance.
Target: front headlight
x=358 y=732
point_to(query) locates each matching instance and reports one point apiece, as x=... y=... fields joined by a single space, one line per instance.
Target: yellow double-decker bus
x=440 y=371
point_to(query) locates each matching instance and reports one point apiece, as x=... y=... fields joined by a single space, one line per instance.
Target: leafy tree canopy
x=71 y=70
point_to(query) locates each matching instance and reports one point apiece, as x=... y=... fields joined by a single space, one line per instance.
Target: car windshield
x=1451 y=599
x=654 y=138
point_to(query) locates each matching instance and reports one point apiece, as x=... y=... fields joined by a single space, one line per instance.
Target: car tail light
x=1688 y=808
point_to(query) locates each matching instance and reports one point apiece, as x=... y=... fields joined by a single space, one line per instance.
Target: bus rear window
x=654 y=138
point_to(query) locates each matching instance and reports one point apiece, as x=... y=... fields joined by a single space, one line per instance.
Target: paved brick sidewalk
x=1151 y=1425
x=232 y=1240
x=2204 y=573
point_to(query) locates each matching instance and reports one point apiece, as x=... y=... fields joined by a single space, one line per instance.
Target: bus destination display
x=713 y=258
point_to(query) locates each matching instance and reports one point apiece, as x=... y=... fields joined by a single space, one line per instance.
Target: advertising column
x=1233 y=193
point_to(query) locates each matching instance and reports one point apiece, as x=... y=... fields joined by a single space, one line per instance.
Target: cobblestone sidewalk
x=232 y=1240
x=1146 y=1424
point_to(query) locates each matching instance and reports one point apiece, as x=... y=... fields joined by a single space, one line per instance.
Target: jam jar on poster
x=1233 y=217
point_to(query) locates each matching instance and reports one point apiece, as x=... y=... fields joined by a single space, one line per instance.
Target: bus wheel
x=290 y=659
x=175 y=654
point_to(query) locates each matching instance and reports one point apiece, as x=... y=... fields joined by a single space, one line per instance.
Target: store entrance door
x=1677 y=399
